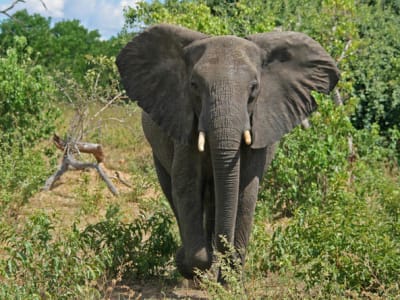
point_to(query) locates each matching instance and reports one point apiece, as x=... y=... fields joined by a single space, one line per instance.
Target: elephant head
x=225 y=93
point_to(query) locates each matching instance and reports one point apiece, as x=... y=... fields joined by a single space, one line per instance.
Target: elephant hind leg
x=209 y=213
x=165 y=182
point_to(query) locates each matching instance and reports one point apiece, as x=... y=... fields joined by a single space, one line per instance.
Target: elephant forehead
x=225 y=50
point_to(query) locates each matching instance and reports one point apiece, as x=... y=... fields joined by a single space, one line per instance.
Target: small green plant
x=35 y=264
x=229 y=267
x=146 y=246
x=90 y=199
x=21 y=175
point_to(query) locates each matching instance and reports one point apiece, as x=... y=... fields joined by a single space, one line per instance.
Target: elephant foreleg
x=253 y=162
x=187 y=198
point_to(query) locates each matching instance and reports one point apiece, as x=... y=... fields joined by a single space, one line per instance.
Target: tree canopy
x=63 y=46
x=361 y=35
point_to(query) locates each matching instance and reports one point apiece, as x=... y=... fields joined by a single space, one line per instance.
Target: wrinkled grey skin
x=187 y=82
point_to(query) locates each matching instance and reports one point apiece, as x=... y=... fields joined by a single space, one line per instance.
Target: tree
x=71 y=43
x=64 y=46
x=35 y=28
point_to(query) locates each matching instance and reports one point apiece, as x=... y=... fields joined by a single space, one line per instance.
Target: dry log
x=68 y=160
x=95 y=149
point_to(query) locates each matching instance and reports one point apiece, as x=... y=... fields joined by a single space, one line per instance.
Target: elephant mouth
x=201 y=141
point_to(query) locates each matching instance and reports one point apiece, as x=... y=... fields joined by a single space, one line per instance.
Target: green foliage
x=311 y=164
x=362 y=36
x=39 y=265
x=348 y=244
x=21 y=175
x=27 y=114
x=35 y=28
x=343 y=234
x=26 y=96
x=71 y=42
x=61 y=47
x=377 y=71
x=38 y=262
x=229 y=266
x=142 y=249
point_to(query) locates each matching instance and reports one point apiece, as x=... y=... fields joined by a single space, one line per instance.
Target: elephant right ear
x=154 y=73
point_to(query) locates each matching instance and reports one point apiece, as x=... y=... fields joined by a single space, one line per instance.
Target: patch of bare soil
x=186 y=289
x=79 y=195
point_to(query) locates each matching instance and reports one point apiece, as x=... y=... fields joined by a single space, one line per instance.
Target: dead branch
x=337 y=98
x=70 y=149
x=118 y=176
x=344 y=52
x=107 y=105
x=13 y=4
x=53 y=178
x=305 y=123
x=95 y=149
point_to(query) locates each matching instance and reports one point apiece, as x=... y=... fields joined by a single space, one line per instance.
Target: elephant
x=213 y=110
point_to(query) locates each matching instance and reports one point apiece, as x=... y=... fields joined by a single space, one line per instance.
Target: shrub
x=29 y=170
x=311 y=163
x=347 y=244
x=38 y=265
x=143 y=248
x=26 y=97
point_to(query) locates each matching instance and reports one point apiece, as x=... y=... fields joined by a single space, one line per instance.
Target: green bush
x=29 y=171
x=344 y=232
x=27 y=114
x=26 y=97
x=37 y=264
x=312 y=163
x=141 y=249
x=346 y=245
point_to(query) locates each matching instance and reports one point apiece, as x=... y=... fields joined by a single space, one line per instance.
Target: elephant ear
x=154 y=73
x=294 y=66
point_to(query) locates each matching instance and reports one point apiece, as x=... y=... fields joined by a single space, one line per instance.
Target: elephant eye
x=194 y=85
x=254 y=88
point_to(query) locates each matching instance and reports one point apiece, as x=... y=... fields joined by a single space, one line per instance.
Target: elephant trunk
x=225 y=155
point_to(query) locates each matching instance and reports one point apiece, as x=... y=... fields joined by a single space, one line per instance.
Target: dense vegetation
x=327 y=223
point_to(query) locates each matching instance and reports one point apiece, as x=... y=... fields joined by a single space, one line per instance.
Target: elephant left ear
x=294 y=65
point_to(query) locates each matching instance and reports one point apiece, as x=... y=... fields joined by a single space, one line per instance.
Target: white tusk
x=201 y=141
x=247 y=137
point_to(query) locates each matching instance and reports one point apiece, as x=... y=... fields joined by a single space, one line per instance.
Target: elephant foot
x=187 y=264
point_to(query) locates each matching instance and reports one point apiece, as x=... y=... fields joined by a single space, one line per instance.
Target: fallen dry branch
x=90 y=148
x=70 y=149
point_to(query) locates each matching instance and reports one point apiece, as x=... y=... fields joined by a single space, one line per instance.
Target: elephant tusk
x=247 y=137
x=201 y=141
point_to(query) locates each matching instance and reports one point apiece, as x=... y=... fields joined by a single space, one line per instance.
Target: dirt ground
x=64 y=203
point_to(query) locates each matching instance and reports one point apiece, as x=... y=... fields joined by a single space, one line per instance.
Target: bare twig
x=107 y=105
x=344 y=52
x=13 y=4
x=337 y=98
x=118 y=176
